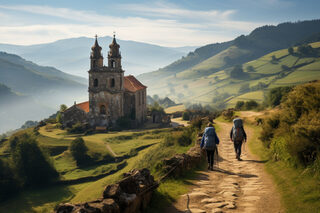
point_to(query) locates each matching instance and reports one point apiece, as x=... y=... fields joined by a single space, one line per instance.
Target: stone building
x=111 y=94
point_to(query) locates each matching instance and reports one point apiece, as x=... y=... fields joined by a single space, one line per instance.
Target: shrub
x=78 y=128
x=275 y=95
x=30 y=163
x=186 y=116
x=295 y=130
x=251 y=69
x=290 y=51
x=186 y=138
x=228 y=114
x=8 y=183
x=78 y=151
x=249 y=105
x=237 y=72
x=239 y=105
x=268 y=129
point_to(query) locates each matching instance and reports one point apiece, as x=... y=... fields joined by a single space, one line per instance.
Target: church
x=111 y=94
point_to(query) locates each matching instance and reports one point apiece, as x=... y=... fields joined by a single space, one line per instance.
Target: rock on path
x=236 y=186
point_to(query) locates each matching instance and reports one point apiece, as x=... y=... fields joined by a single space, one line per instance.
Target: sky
x=167 y=23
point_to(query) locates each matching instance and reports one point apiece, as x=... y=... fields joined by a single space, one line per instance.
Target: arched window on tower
x=113 y=83
x=113 y=64
x=95 y=82
x=102 y=110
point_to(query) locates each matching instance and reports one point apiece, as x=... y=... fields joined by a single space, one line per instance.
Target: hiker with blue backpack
x=237 y=136
x=209 y=143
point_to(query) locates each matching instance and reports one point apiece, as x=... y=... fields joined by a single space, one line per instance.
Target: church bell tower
x=106 y=86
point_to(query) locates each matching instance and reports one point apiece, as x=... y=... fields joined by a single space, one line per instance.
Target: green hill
x=32 y=92
x=215 y=57
x=278 y=68
x=200 y=79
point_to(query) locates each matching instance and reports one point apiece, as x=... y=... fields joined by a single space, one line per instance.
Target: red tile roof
x=84 y=106
x=131 y=84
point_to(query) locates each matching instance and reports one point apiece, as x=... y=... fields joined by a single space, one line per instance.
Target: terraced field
x=203 y=82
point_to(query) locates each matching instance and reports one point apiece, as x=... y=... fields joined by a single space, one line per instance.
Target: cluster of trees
x=246 y=105
x=237 y=72
x=304 y=50
x=28 y=165
x=276 y=95
x=293 y=134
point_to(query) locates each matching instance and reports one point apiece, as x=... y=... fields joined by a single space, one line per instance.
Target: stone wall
x=130 y=195
x=181 y=163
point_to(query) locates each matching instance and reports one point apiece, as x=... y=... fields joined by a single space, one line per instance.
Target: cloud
x=161 y=24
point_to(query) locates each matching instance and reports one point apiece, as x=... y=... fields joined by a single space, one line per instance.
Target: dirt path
x=236 y=186
x=110 y=150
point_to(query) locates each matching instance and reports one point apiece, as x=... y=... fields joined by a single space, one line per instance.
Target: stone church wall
x=72 y=116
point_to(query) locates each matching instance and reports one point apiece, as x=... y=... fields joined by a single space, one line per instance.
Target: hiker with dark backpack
x=237 y=136
x=209 y=143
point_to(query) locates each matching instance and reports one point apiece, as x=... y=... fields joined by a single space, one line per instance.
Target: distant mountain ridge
x=211 y=58
x=206 y=75
x=31 y=92
x=72 y=55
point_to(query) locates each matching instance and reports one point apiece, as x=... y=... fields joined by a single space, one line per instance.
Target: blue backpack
x=209 y=139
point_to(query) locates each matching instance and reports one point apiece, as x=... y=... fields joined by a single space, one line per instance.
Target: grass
x=177 y=108
x=300 y=191
x=44 y=200
x=210 y=78
x=257 y=96
x=40 y=200
x=170 y=190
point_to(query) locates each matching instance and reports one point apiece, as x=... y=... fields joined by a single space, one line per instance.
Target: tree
x=30 y=163
x=63 y=108
x=186 y=116
x=8 y=184
x=274 y=60
x=250 y=69
x=306 y=50
x=290 y=51
x=237 y=72
x=239 y=105
x=275 y=95
x=79 y=150
x=248 y=105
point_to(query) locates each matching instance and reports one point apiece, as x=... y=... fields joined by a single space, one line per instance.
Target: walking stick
x=217 y=157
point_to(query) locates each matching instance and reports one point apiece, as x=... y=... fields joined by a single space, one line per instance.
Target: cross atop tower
x=96 y=36
x=114 y=34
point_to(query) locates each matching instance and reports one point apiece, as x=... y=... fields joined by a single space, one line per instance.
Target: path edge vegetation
x=294 y=169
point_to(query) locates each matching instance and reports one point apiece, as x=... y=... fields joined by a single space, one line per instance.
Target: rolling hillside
x=200 y=79
x=213 y=58
x=278 y=68
x=72 y=55
x=31 y=92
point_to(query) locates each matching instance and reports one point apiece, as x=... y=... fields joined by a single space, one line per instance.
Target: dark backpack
x=209 y=138
x=237 y=130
